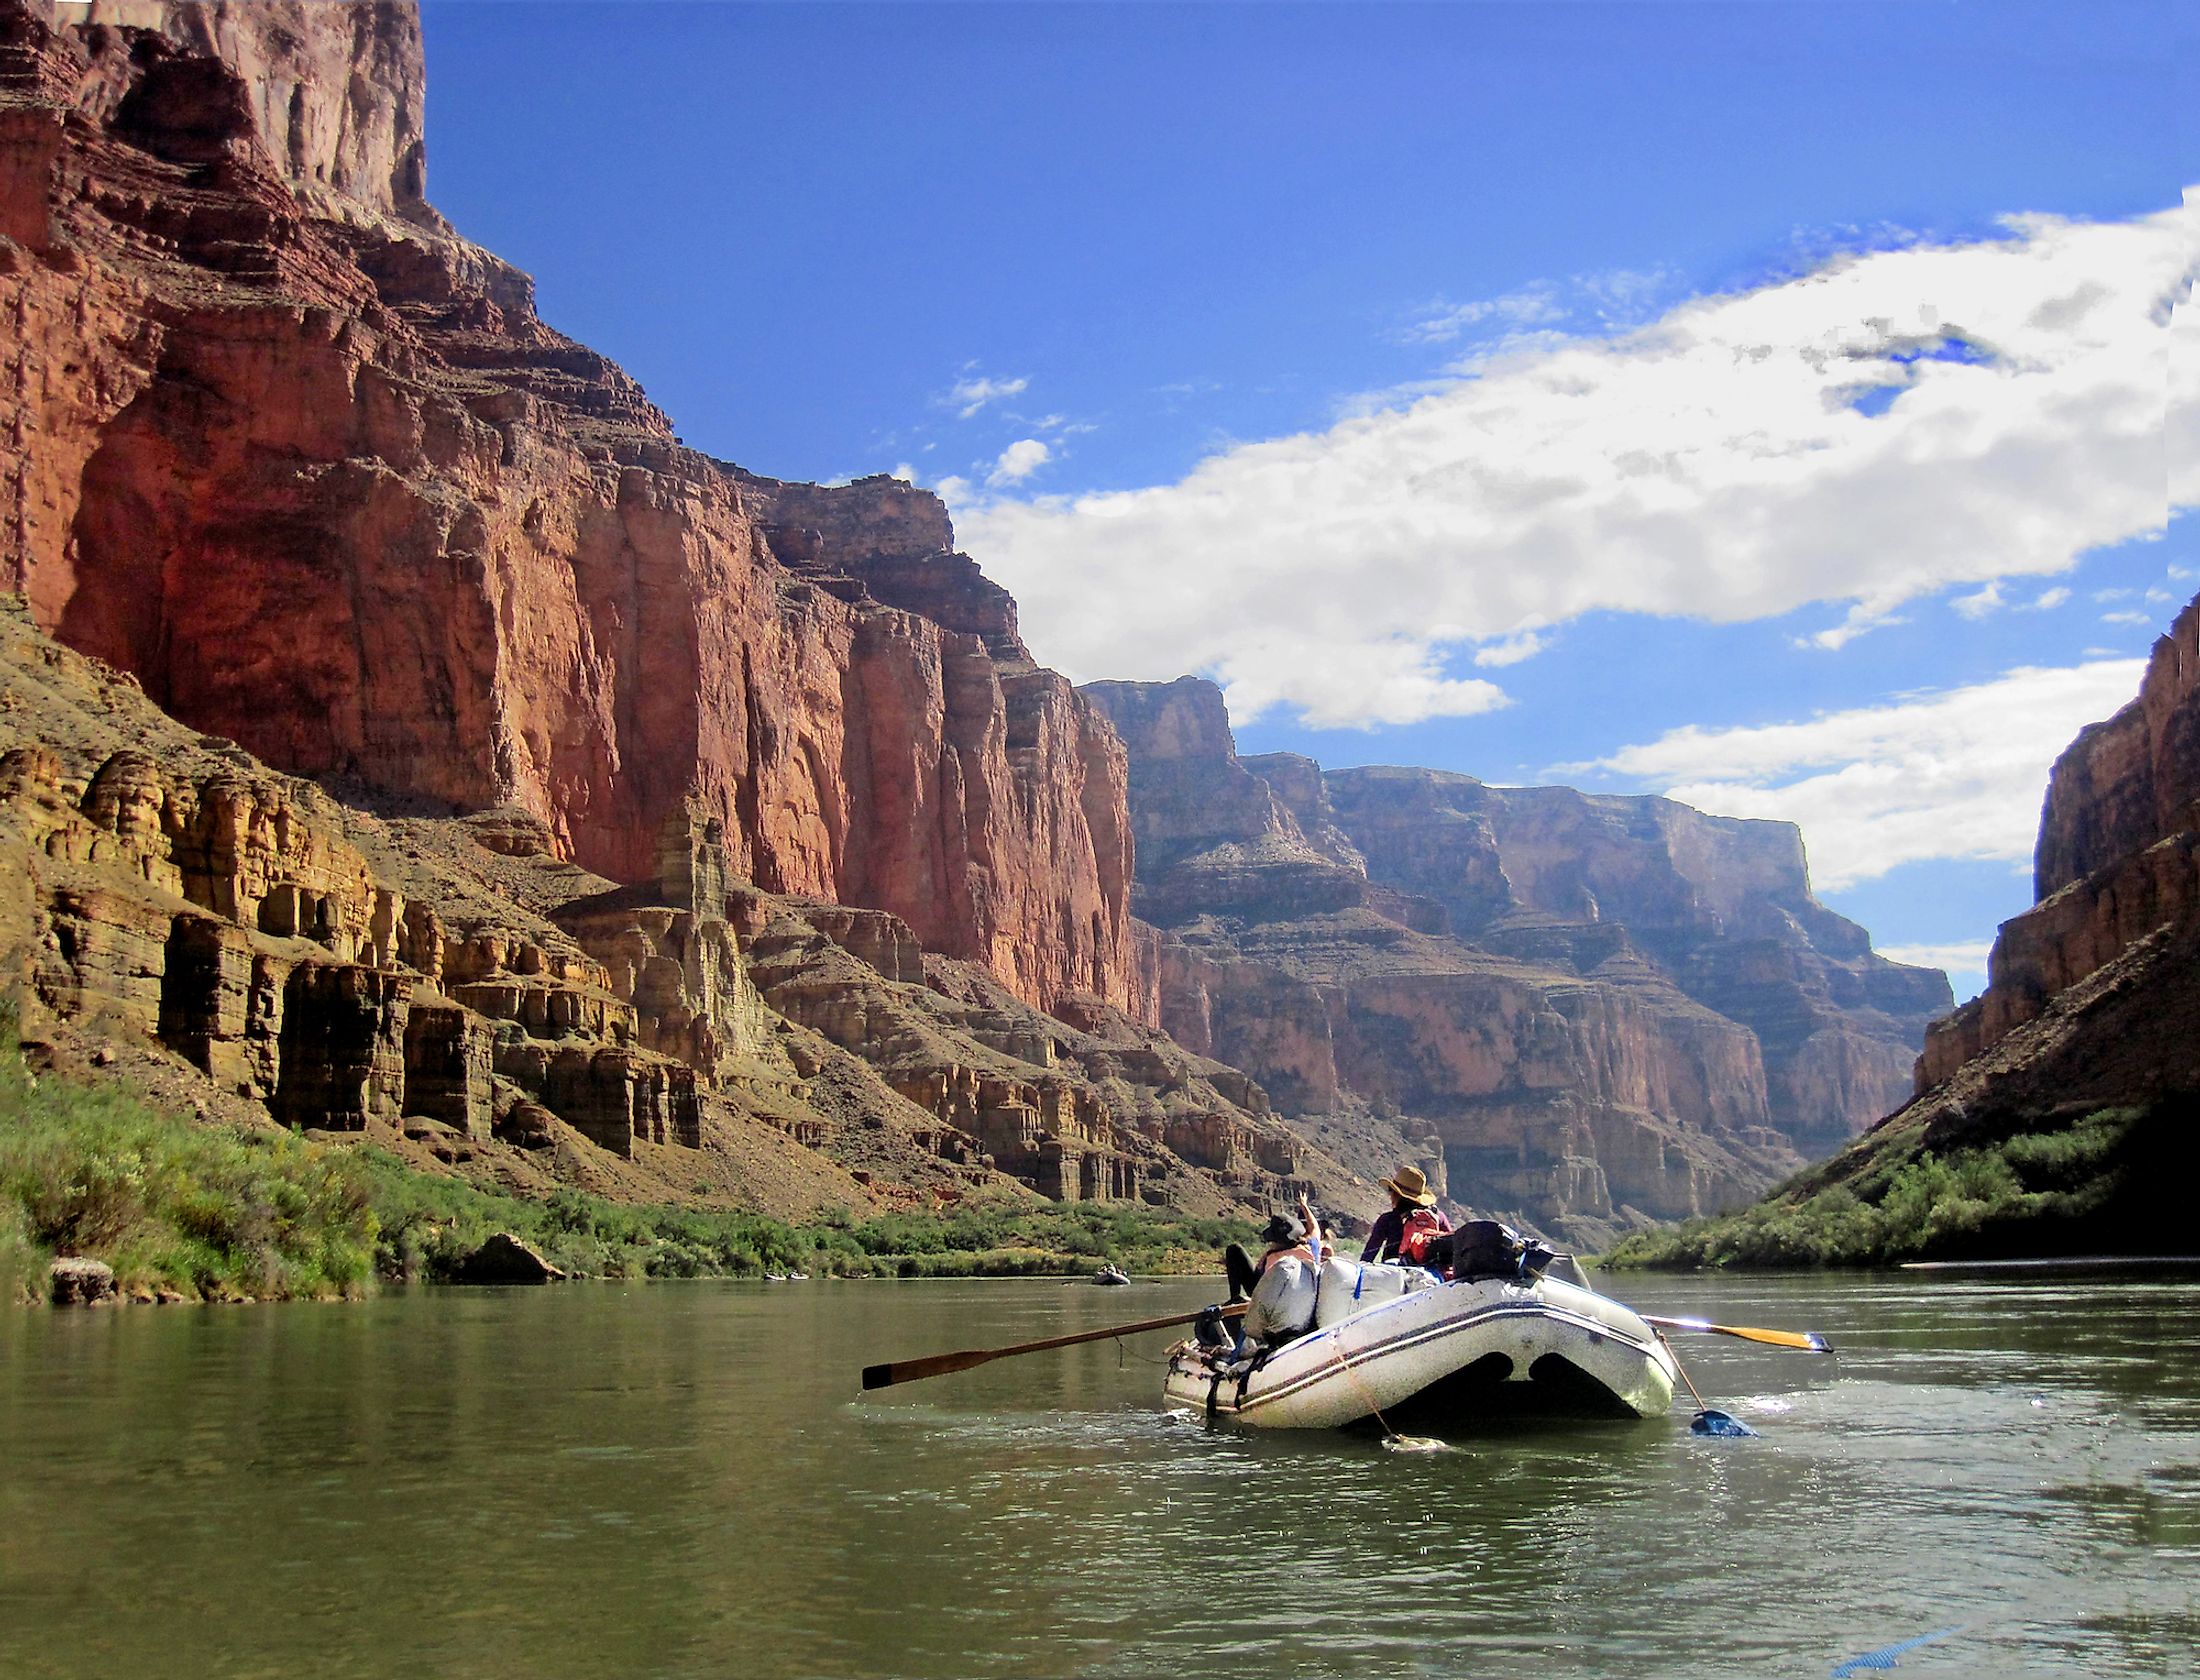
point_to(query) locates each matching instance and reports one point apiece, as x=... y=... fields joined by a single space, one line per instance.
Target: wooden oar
x=1808 y=1340
x=940 y=1364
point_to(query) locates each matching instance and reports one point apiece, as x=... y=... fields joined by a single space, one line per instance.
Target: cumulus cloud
x=1019 y=461
x=1963 y=960
x=1989 y=600
x=1713 y=463
x=1443 y=322
x=974 y=392
x=1953 y=775
x=1512 y=649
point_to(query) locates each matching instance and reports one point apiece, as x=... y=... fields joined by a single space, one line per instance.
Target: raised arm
x=1313 y=1230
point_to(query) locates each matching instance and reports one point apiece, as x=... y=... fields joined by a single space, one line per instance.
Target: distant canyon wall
x=1601 y=1010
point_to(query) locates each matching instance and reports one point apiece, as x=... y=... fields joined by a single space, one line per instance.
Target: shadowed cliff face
x=2117 y=874
x=310 y=467
x=1596 y=1010
x=2074 y=1076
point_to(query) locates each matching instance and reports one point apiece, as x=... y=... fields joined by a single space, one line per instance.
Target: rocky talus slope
x=1593 y=1011
x=452 y=988
x=532 y=791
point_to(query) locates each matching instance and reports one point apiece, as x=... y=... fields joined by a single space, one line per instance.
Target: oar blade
x=914 y=1370
x=1808 y=1341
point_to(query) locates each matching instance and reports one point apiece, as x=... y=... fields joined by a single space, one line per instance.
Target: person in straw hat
x=1412 y=1215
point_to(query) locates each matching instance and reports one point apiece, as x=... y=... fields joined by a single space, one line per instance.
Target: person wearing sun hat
x=1410 y=1200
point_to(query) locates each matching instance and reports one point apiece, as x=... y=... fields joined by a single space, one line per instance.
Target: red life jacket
x=1422 y=1227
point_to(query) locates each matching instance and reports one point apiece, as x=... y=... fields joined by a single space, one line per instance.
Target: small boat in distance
x=1111 y=1273
x=1399 y=1343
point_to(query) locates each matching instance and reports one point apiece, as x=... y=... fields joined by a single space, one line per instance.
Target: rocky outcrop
x=77 y=1282
x=2117 y=865
x=173 y=889
x=1601 y=1010
x=309 y=466
x=451 y=987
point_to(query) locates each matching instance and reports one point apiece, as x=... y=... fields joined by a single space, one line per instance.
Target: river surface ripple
x=681 y=1480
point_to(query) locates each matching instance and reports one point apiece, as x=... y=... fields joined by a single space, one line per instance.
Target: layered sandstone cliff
x=1596 y=1011
x=2117 y=868
x=310 y=467
x=2066 y=1093
x=658 y=814
x=450 y=987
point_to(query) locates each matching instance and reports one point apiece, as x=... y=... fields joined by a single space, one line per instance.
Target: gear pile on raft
x=1435 y=1327
x=1430 y=1327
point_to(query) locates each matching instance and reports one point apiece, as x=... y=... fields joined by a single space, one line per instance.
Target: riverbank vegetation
x=429 y=1223
x=2094 y=1183
x=194 y=1211
x=178 y=1210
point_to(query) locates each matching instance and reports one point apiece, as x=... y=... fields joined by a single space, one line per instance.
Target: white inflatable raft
x=1426 y=1352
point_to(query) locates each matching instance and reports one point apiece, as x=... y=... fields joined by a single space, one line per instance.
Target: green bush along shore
x=197 y=1211
x=2093 y=1183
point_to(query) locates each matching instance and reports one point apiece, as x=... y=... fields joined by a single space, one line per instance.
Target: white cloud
x=1710 y=464
x=1964 y=961
x=1967 y=954
x=1991 y=600
x=1350 y=685
x=1512 y=650
x=1018 y=462
x=1953 y=775
x=2133 y=618
x=905 y=472
x=973 y=392
x=1442 y=322
x=1612 y=298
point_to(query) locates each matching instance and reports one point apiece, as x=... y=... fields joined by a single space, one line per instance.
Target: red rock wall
x=2124 y=784
x=311 y=468
x=2118 y=857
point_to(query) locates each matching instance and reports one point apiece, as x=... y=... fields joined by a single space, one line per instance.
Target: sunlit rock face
x=665 y=820
x=2117 y=866
x=1595 y=1010
x=308 y=464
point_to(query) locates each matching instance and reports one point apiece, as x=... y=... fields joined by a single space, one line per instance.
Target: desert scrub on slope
x=207 y=1213
x=2097 y=1182
x=212 y=1212
x=430 y=1223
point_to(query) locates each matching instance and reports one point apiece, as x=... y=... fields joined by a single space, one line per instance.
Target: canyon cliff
x=1589 y=1010
x=308 y=465
x=408 y=735
x=533 y=792
x=2055 y=1112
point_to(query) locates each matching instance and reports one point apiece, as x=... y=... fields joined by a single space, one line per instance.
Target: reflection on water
x=680 y=1479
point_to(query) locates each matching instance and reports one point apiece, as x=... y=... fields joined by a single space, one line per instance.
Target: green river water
x=681 y=1480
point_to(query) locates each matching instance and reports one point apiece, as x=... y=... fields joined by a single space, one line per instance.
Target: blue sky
x=1451 y=381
